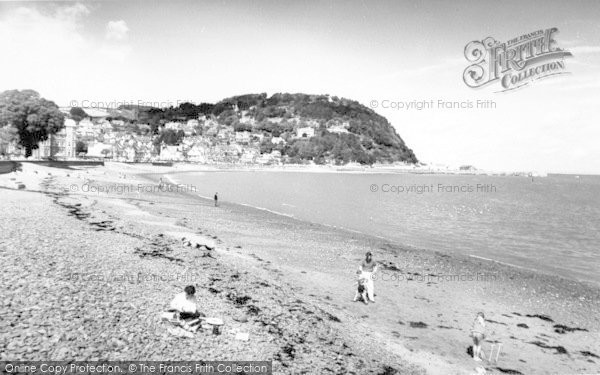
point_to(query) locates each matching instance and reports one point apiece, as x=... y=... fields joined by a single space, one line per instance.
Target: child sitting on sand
x=478 y=334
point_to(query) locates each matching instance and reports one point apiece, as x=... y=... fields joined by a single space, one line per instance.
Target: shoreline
x=308 y=256
x=545 y=272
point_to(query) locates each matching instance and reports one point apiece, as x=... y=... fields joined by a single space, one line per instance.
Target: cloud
x=45 y=47
x=116 y=30
x=73 y=12
x=27 y=34
x=579 y=50
x=445 y=65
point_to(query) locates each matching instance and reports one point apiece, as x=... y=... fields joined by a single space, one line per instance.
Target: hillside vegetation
x=344 y=130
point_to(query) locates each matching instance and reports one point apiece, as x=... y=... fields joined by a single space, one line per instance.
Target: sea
x=548 y=224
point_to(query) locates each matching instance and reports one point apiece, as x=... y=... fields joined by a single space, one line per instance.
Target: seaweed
x=333 y=318
x=253 y=310
x=509 y=371
x=543 y=317
x=559 y=349
x=238 y=300
x=289 y=350
x=157 y=252
x=562 y=329
x=589 y=354
x=388 y=370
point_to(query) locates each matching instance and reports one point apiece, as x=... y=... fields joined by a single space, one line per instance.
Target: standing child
x=361 y=288
x=478 y=334
x=368 y=267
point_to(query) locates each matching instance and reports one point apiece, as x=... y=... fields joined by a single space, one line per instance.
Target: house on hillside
x=249 y=156
x=306 y=132
x=190 y=127
x=226 y=134
x=243 y=137
x=248 y=120
x=197 y=154
x=264 y=159
x=174 y=126
x=86 y=128
x=144 y=152
x=338 y=129
x=123 y=151
x=171 y=153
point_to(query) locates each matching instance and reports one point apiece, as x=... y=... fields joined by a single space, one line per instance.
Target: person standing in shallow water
x=368 y=267
x=216 y=199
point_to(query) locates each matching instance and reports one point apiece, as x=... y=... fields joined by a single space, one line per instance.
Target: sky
x=376 y=52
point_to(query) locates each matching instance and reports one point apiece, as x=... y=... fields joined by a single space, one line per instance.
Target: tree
x=33 y=116
x=81 y=147
x=189 y=110
x=169 y=137
x=266 y=146
x=241 y=127
x=105 y=152
x=77 y=114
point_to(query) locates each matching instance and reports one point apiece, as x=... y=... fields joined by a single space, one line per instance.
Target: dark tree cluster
x=33 y=117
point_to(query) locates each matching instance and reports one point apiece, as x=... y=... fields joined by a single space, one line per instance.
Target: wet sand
x=426 y=301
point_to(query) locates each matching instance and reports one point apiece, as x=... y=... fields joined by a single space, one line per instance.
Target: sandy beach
x=100 y=265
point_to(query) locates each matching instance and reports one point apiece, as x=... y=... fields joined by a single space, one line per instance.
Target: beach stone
x=240 y=317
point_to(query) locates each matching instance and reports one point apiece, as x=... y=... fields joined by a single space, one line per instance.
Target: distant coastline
x=179 y=166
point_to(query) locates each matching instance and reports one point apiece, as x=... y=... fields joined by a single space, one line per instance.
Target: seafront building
x=100 y=136
x=61 y=144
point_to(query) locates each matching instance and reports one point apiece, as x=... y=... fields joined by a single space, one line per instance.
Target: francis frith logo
x=514 y=63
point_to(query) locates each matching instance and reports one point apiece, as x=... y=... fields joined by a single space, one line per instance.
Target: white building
x=61 y=145
x=174 y=125
x=242 y=137
x=99 y=150
x=70 y=141
x=249 y=156
x=306 y=132
x=171 y=153
x=197 y=154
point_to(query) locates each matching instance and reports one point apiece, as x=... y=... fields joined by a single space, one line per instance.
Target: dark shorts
x=188 y=316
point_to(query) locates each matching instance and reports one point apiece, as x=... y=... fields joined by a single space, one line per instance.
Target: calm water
x=550 y=224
